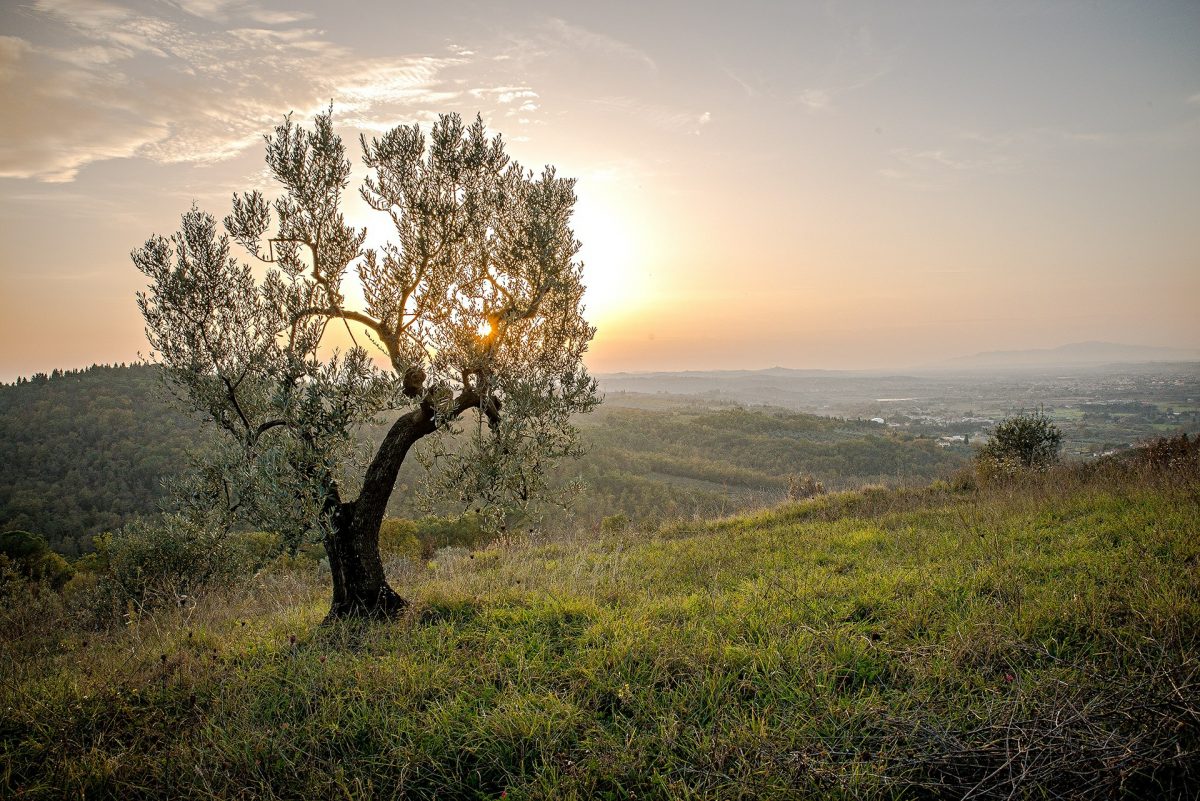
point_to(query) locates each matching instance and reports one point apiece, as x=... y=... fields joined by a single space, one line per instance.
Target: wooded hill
x=82 y=452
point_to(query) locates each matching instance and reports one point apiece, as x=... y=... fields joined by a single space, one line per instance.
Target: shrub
x=1022 y=442
x=801 y=488
x=31 y=615
x=464 y=531
x=398 y=540
x=1171 y=454
x=29 y=555
x=614 y=523
x=149 y=561
x=253 y=549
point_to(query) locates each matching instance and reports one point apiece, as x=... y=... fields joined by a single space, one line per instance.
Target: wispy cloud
x=1033 y=137
x=226 y=10
x=823 y=98
x=578 y=37
x=512 y=101
x=855 y=63
x=196 y=81
x=816 y=99
x=750 y=88
x=957 y=162
x=964 y=153
x=941 y=167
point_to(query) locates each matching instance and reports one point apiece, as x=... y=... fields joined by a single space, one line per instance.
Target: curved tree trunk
x=360 y=588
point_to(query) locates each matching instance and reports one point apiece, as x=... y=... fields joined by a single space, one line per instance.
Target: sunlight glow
x=610 y=247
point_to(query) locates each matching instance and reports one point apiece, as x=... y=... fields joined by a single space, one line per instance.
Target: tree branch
x=231 y=392
x=267 y=426
x=389 y=340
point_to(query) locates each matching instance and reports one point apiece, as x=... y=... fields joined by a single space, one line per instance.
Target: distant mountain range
x=1076 y=353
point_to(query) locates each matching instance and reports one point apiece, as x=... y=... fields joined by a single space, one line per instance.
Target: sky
x=809 y=185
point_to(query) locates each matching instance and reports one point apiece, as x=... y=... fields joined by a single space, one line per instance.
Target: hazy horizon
x=824 y=186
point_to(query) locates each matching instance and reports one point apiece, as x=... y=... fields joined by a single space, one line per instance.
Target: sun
x=609 y=251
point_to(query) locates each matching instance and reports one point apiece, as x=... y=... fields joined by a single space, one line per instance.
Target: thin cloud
x=928 y=163
x=118 y=83
x=816 y=99
x=514 y=101
x=945 y=166
x=12 y=50
x=581 y=38
x=747 y=86
x=505 y=95
x=1034 y=138
x=855 y=63
x=268 y=17
x=223 y=11
x=823 y=98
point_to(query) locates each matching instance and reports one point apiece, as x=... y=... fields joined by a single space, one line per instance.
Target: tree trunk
x=360 y=588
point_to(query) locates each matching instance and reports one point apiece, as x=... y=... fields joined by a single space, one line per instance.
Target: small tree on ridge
x=1029 y=441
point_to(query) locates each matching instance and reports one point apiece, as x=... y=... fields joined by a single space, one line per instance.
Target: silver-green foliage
x=475 y=305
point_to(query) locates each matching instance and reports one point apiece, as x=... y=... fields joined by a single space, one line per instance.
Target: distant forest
x=84 y=451
x=697 y=461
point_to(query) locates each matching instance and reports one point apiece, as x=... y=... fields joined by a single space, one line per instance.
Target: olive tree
x=471 y=322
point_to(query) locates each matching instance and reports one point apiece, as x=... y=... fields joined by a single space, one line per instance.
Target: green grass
x=1038 y=641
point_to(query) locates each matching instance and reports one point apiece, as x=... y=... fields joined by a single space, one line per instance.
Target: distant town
x=1100 y=408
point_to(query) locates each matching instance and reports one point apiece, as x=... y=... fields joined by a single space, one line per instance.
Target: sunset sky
x=837 y=185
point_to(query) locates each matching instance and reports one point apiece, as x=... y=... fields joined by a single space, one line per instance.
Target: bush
x=801 y=488
x=29 y=555
x=398 y=539
x=254 y=549
x=32 y=615
x=150 y=561
x=614 y=523
x=417 y=540
x=464 y=531
x=1022 y=442
x=1171 y=454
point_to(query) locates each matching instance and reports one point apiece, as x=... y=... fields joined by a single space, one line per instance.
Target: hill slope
x=1031 y=643
x=83 y=452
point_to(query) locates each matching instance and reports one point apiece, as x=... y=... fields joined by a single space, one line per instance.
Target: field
x=1036 y=639
x=85 y=452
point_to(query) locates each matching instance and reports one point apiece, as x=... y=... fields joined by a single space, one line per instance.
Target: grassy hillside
x=1020 y=641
